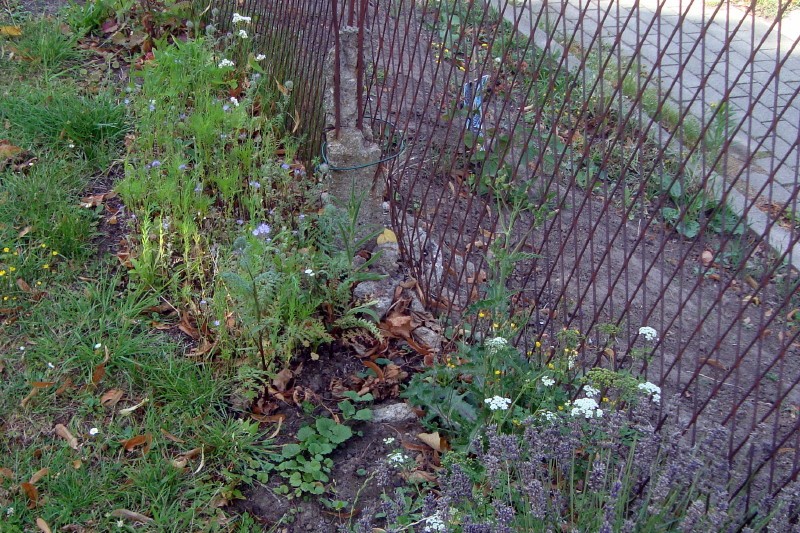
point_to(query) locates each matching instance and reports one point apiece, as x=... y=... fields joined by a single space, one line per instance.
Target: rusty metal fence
x=640 y=158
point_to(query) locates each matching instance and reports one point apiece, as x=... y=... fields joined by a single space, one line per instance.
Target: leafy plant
x=306 y=465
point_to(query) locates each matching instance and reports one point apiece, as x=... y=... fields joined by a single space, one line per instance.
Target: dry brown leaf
x=64 y=387
x=23 y=286
x=98 y=373
x=42 y=525
x=139 y=440
x=42 y=384
x=11 y=31
x=76 y=464
x=8 y=150
x=282 y=380
x=31 y=493
x=435 y=441
x=111 y=397
x=24 y=402
x=716 y=363
x=418 y=476
x=6 y=473
x=187 y=326
x=63 y=432
x=24 y=231
x=375 y=368
x=131 y=516
x=170 y=436
x=39 y=474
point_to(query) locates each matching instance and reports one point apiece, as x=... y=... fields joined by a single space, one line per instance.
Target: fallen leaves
x=42 y=525
x=11 y=31
x=97 y=199
x=111 y=397
x=62 y=431
x=131 y=516
x=144 y=441
x=31 y=493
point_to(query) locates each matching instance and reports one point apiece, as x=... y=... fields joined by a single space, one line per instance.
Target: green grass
x=76 y=331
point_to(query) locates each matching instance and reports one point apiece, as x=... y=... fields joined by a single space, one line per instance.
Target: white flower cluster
x=547 y=381
x=237 y=18
x=590 y=391
x=226 y=63
x=587 y=408
x=549 y=416
x=651 y=389
x=242 y=34
x=397 y=458
x=498 y=403
x=495 y=344
x=260 y=57
x=434 y=524
x=648 y=333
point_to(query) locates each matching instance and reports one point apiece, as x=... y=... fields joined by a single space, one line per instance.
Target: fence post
x=352 y=154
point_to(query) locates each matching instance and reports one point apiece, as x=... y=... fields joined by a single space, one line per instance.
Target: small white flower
x=495 y=344
x=9 y=511
x=498 y=403
x=388 y=440
x=237 y=18
x=226 y=63
x=94 y=431
x=120 y=523
x=434 y=524
x=547 y=381
x=498 y=60
x=21 y=348
x=260 y=57
x=648 y=333
x=310 y=273
x=651 y=389
x=50 y=365
x=234 y=101
x=98 y=346
x=590 y=391
x=550 y=416
x=587 y=408
x=242 y=34
x=397 y=458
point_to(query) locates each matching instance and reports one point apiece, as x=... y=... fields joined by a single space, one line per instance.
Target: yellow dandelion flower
x=481 y=314
x=12 y=269
x=46 y=266
x=560 y=407
x=2 y=272
x=54 y=252
x=551 y=366
x=495 y=325
x=538 y=344
x=43 y=245
x=38 y=282
x=497 y=372
x=606 y=399
x=5 y=298
x=6 y=249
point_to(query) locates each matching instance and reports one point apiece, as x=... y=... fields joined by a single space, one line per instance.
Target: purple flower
x=262 y=229
x=155 y=164
x=198 y=188
x=182 y=116
x=301 y=216
x=254 y=184
x=239 y=221
x=285 y=166
x=182 y=166
x=226 y=107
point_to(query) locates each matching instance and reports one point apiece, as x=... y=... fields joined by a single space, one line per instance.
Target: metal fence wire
x=642 y=157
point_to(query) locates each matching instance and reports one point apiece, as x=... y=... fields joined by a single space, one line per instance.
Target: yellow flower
x=481 y=314
x=2 y=272
x=43 y=245
x=54 y=252
x=46 y=266
x=6 y=249
x=538 y=344
x=12 y=269
x=5 y=298
x=497 y=372
x=513 y=326
x=495 y=325
x=38 y=282
x=560 y=407
x=606 y=399
x=551 y=366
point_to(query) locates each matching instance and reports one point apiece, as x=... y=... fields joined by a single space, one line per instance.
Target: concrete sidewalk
x=699 y=54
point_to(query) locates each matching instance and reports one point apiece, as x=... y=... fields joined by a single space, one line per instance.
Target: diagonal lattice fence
x=640 y=157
